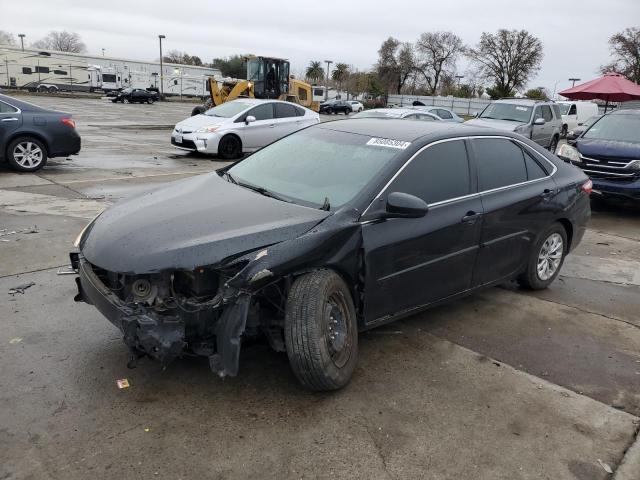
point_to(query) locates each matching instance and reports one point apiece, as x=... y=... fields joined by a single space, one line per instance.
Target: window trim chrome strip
x=471 y=195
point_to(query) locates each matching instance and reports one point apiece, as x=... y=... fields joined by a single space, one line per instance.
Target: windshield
x=228 y=109
x=620 y=128
x=564 y=108
x=507 y=111
x=313 y=165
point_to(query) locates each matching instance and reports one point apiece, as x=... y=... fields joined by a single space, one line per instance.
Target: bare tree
x=509 y=58
x=625 y=50
x=7 y=38
x=62 y=42
x=437 y=54
x=396 y=63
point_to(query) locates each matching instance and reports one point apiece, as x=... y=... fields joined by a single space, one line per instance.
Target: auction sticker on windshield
x=387 y=142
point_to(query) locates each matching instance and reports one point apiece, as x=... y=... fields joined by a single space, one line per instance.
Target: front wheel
x=329 y=111
x=546 y=258
x=126 y=100
x=321 y=331
x=150 y=100
x=230 y=147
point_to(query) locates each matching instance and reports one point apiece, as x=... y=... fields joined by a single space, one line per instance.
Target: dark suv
x=136 y=95
x=336 y=106
x=609 y=152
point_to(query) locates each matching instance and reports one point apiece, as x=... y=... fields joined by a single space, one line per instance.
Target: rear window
x=620 y=128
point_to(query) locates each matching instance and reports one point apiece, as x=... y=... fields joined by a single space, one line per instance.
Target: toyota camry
x=335 y=229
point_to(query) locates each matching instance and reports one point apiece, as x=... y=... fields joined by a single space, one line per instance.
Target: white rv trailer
x=51 y=70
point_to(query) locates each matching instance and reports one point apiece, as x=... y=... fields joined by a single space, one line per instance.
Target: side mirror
x=539 y=121
x=404 y=205
x=249 y=119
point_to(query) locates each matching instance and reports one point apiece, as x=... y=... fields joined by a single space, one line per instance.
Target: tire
x=553 y=146
x=535 y=278
x=42 y=89
x=329 y=111
x=230 y=147
x=321 y=331
x=347 y=111
x=53 y=89
x=114 y=100
x=126 y=100
x=150 y=100
x=564 y=131
x=26 y=154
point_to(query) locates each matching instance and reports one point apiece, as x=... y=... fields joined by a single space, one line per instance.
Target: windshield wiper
x=230 y=177
x=326 y=205
x=262 y=191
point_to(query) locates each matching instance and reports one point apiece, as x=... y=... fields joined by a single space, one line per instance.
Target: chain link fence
x=461 y=106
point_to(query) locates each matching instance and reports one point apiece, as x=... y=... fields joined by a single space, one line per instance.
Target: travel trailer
x=51 y=71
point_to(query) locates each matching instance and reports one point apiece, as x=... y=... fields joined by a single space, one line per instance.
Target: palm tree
x=340 y=74
x=314 y=72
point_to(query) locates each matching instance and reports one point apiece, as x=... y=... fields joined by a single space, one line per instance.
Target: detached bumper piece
x=164 y=336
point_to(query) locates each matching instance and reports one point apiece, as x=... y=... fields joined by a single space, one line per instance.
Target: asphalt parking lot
x=506 y=384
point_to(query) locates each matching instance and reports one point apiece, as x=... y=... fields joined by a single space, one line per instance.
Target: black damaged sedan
x=333 y=230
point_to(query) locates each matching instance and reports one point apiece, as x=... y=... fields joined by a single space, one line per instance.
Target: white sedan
x=243 y=125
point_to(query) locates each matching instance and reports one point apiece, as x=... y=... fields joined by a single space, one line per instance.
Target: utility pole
x=103 y=52
x=22 y=35
x=160 y=37
x=326 y=90
x=574 y=80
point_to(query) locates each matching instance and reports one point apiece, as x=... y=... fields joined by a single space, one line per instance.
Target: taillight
x=68 y=122
x=587 y=187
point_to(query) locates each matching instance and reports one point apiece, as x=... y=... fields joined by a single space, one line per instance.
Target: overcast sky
x=574 y=33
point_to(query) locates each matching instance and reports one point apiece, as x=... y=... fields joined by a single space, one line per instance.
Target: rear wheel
x=53 y=89
x=26 y=154
x=321 y=331
x=150 y=100
x=230 y=147
x=546 y=259
x=126 y=100
x=329 y=111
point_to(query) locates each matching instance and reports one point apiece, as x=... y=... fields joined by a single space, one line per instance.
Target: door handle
x=547 y=192
x=272 y=125
x=10 y=119
x=471 y=217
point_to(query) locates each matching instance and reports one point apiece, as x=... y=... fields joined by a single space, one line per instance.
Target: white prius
x=243 y=125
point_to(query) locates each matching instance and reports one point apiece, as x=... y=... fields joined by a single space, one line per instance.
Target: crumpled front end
x=171 y=314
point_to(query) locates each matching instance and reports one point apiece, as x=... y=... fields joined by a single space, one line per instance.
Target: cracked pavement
x=503 y=384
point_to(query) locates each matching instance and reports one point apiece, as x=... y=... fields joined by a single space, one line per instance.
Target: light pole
x=326 y=89
x=22 y=35
x=574 y=80
x=103 y=52
x=160 y=37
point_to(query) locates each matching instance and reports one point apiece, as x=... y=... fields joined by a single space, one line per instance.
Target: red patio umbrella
x=612 y=87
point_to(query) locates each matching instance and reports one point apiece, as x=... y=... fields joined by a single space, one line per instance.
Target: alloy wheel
x=550 y=256
x=28 y=155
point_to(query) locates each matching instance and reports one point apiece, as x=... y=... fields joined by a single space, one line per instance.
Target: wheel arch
x=37 y=136
x=231 y=134
x=568 y=228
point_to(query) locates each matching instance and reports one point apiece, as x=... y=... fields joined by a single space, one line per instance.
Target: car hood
x=507 y=125
x=194 y=222
x=197 y=121
x=592 y=147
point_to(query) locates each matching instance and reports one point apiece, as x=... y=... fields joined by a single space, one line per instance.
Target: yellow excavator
x=267 y=78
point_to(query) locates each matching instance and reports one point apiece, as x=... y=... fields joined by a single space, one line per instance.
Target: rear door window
x=438 y=173
x=444 y=114
x=5 y=108
x=500 y=163
x=285 y=110
x=546 y=113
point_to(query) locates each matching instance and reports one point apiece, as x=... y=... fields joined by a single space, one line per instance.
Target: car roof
x=404 y=130
x=526 y=101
